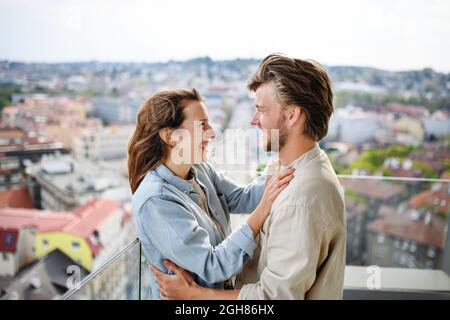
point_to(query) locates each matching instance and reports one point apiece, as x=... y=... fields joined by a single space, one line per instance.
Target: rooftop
x=409 y=225
x=45 y=279
x=16 y=198
x=83 y=221
x=76 y=177
x=354 y=207
x=375 y=189
x=438 y=199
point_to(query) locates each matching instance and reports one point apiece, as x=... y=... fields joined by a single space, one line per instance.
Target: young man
x=301 y=251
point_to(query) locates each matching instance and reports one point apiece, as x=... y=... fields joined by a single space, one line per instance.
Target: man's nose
x=255 y=120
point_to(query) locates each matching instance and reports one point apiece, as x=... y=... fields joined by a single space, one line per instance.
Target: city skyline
x=396 y=36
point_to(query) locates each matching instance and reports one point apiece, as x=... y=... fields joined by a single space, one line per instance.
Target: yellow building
x=412 y=126
x=80 y=234
x=73 y=246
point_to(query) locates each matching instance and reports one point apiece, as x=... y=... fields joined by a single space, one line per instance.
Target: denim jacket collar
x=164 y=173
x=168 y=176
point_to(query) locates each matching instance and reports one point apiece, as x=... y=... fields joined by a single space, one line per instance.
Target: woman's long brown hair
x=146 y=149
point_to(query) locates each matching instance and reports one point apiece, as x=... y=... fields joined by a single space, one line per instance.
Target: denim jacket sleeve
x=239 y=199
x=176 y=233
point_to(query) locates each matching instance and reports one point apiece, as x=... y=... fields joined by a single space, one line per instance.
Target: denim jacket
x=171 y=225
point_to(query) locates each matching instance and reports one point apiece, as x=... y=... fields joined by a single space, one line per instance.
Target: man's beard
x=282 y=135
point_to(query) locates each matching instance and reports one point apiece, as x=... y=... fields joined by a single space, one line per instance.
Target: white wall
x=352 y=125
x=8 y=266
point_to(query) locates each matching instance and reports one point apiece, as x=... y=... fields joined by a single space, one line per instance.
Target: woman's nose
x=210 y=133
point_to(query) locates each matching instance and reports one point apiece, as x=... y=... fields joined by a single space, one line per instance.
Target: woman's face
x=195 y=134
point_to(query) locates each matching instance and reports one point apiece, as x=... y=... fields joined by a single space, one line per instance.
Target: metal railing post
x=140 y=268
x=446 y=254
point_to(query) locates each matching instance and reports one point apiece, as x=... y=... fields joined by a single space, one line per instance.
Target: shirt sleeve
x=178 y=236
x=293 y=251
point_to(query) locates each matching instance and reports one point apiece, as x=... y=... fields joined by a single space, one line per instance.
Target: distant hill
x=363 y=85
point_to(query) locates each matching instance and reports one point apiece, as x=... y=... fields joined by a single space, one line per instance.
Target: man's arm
x=215 y=294
x=181 y=286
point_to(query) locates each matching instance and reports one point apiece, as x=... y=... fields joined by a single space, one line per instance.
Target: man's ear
x=166 y=135
x=295 y=116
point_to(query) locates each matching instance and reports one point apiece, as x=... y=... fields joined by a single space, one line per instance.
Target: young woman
x=181 y=204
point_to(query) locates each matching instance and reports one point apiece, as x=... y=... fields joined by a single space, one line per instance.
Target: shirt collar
x=164 y=173
x=308 y=155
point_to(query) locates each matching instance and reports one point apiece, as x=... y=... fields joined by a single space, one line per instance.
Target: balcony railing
x=125 y=277
x=397 y=226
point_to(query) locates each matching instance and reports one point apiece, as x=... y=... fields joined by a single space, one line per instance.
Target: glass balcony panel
x=118 y=279
x=395 y=225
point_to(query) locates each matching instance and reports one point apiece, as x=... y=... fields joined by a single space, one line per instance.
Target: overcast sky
x=395 y=35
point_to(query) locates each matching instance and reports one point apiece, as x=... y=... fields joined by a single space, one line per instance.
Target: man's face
x=269 y=117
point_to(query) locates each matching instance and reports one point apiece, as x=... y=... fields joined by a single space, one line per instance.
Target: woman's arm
x=273 y=188
x=175 y=231
x=238 y=199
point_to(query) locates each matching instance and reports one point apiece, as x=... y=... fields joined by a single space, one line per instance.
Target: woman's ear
x=166 y=134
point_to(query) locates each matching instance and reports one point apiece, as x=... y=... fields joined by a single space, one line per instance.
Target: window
x=405 y=245
x=396 y=256
x=75 y=245
x=379 y=251
x=431 y=252
x=411 y=261
x=94 y=238
x=403 y=259
x=397 y=243
x=9 y=239
x=413 y=247
x=5 y=256
x=380 y=238
x=45 y=243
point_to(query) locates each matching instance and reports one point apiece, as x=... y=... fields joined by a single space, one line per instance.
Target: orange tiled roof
x=428 y=198
x=91 y=216
x=12 y=133
x=81 y=222
x=16 y=198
